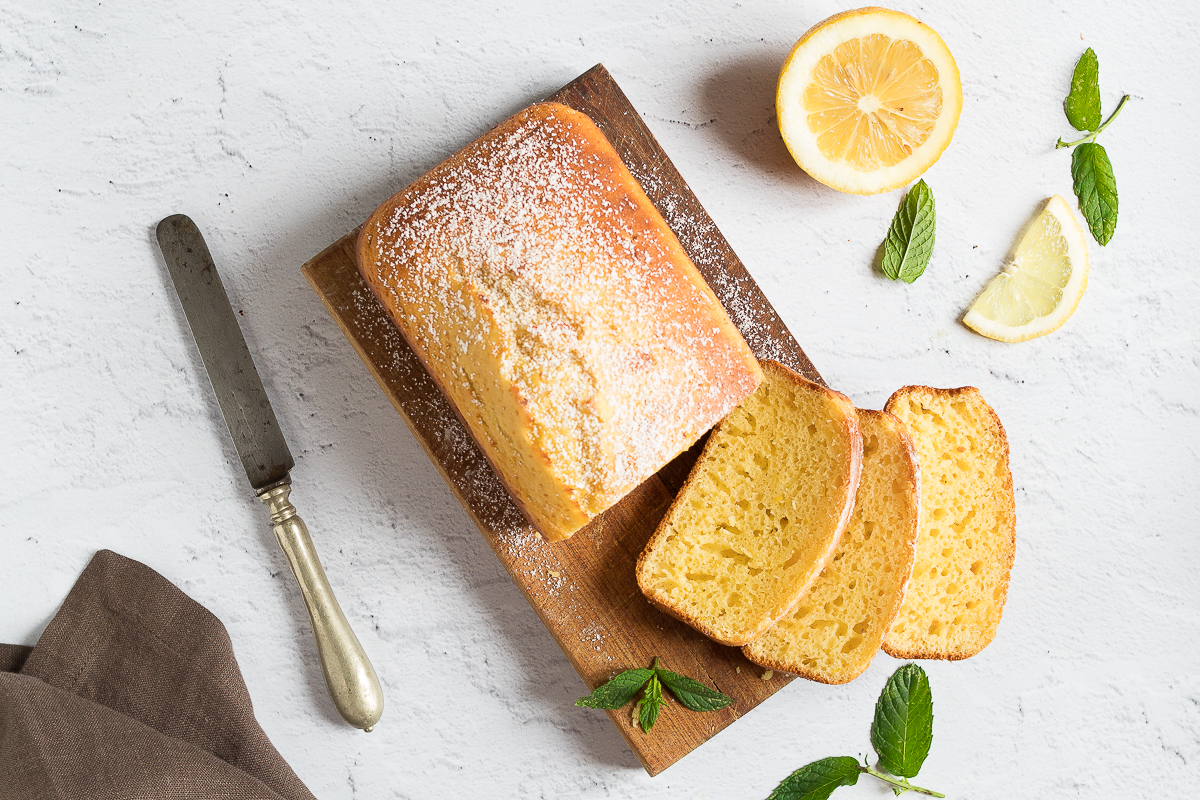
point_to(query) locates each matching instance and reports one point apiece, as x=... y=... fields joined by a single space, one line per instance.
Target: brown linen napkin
x=132 y=691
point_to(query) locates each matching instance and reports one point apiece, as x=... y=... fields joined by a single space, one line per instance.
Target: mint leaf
x=902 y=732
x=618 y=691
x=903 y=726
x=909 y=242
x=650 y=704
x=692 y=693
x=816 y=781
x=1083 y=102
x=1096 y=189
x=623 y=687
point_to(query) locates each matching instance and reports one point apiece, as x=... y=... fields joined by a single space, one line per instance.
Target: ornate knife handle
x=349 y=676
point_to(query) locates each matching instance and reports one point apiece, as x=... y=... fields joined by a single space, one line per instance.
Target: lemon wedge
x=868 y=100
x=1042 y=286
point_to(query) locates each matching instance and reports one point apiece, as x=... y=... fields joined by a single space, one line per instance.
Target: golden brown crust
x=907 y=554
x=532 y=248
x=1007 y=514
x=852 y=474
x=910 y=549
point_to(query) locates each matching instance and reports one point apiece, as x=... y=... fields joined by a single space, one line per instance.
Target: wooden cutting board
x=584 y=589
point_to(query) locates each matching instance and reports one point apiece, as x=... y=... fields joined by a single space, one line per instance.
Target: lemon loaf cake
x=557 y=312
x=837 y=627
x=761 y=512
x=966 y=540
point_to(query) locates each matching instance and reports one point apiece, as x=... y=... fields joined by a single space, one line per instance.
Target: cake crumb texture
x=558 y=313
x=835 y=629
x=761 y=512
x=966 y=541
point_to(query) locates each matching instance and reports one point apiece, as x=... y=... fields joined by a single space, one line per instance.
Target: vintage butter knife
x=349 y=676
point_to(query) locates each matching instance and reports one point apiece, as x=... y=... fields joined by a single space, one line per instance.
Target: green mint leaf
x=816 y=781
x=650 y=704
x=1096 y=189
x=903 y=726
x=692 y=693
x=909 y=242
x=618 y=691
x=1083 y=103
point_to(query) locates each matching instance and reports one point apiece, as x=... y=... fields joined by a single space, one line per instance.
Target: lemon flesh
x=1040 y=289
x=872 y=101
x=868 y=100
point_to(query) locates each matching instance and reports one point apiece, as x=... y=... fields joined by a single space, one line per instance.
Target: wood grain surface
x=584 y=589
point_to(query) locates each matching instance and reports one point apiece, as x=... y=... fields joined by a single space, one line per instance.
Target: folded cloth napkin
x=132 y=692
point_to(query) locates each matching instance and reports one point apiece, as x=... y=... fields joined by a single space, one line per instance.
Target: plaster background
x=280 y=126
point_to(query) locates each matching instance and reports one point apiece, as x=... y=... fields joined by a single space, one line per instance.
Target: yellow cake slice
x=761 y=512
x=836 y=628
x=966 y=541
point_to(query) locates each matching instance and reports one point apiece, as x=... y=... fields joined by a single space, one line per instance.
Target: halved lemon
x=1042 y=286
x=868 y=100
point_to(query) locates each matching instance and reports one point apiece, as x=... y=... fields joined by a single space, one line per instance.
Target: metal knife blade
x=244 y=403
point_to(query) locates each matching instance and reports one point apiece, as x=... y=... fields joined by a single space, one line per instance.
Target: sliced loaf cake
x=836 y=628
x=966 y=541
x=761 y=512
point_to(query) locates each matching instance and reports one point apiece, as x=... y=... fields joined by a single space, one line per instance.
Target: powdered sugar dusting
x=435 y=424
x=738 y=293
x=531 y=273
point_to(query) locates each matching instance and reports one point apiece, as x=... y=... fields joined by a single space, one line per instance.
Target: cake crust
x=557 y=312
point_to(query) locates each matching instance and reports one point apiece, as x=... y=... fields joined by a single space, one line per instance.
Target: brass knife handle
x=349 y=676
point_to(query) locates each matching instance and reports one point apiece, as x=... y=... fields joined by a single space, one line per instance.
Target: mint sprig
x=621 y=689
x=909 y=242
x=901 y=734
x=1091 y=171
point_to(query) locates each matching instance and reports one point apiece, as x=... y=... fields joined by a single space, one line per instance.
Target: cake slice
x=761 y=512
x=967 y=539
x=836 y=628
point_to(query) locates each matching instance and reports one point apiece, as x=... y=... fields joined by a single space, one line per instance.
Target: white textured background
x=280 y=125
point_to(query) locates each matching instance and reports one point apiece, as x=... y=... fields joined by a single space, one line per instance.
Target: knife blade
x=349 y=675
x=244 y=404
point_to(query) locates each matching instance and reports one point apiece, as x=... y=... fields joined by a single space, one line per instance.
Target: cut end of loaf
x=834 y=631
x=760 y=514
x=966 y=541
